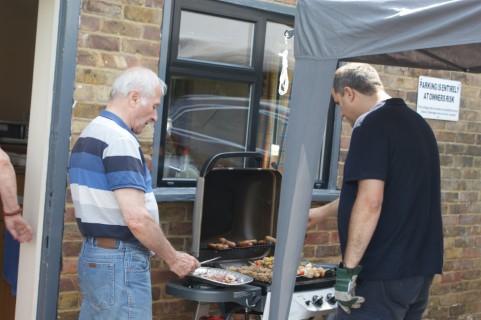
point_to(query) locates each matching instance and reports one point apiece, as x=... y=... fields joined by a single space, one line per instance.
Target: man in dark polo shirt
x=389 y=210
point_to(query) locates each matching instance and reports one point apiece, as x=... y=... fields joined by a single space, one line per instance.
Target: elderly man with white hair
x=115 y=207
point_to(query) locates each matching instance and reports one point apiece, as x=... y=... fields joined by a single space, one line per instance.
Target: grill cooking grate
x=256 y=246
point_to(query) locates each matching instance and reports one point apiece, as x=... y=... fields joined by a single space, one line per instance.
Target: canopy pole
x=307 y=122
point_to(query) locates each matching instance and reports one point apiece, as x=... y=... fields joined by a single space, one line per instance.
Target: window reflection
x=206 y=117
x=223 y=96
x=210 y=38
x=274 y=110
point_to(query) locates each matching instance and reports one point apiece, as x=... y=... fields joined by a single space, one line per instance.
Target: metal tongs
x=210 y=260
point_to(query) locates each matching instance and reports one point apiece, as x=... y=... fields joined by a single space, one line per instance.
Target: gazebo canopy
x=430 y=34
x=433 y=34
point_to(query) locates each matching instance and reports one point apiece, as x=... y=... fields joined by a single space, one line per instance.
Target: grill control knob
x=317 y=300
x=331 y=299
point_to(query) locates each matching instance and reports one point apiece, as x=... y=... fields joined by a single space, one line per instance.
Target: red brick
x=86 y=110
x=328 y=251
x=95 y=76
x=87 y=58
x=69 y=284
x=151 y=33
x=145 y=15
x=69 y=266
x=154 y=3
x=162 y=276
x=102 y=8
x=457 y=309
x=143 y=47
x=451 y=276
x=180 y=228
x=122 y=28
x=100 y=42
x=68 y=315
x=69 y=215
x=71 y=232
x=472 y=253
x=89 y=23
x=317 y=238
x=173 y=307
x=156 y=293
x=69 y=300
x=71 y=248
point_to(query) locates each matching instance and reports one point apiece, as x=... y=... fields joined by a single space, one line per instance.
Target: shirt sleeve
x=368 y=155
x=123 y=164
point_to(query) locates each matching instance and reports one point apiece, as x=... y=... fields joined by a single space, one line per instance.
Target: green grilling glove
x=344 y=288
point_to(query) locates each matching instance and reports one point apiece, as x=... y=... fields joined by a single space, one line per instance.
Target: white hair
x=137 y=78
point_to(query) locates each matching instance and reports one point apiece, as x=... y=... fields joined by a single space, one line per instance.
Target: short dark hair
x=357 y=76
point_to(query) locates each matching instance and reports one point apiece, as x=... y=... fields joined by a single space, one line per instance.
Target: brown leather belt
x=106 y=243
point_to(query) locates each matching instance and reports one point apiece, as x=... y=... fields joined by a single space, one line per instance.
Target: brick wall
x=115 y=34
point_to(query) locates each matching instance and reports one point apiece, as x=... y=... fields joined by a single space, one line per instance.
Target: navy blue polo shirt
x=396 y=145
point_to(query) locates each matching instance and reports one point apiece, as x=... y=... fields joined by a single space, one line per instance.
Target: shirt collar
x=364 y=115
x=117 y=120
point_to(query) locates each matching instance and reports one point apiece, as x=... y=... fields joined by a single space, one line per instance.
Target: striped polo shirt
x=107 y=157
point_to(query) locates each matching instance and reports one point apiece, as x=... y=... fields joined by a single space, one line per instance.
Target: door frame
x=47 y=156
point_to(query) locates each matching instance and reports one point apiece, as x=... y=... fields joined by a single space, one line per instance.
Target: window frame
x=259 y=13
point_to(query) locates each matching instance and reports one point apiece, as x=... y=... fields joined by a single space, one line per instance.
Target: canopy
x=435 y=34
x=430 y=34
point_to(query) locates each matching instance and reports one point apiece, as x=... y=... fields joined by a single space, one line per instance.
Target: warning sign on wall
x=438 y=98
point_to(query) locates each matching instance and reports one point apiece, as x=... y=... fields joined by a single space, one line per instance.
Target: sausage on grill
x=227 y=242
x=246 y=243
x=218 y=246
x=271 y=239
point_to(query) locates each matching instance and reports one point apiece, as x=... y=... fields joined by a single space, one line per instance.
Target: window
x=223 y=71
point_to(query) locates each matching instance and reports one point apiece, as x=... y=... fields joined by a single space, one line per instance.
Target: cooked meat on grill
x=261 y=274
x=310 y=271
x=224 y=243
x=218 y=275
x=218 y=246
x=226 y=278
x=267 y=262
x=271 y=239
x=246 y=243
x=231 y=244
x=261 y=270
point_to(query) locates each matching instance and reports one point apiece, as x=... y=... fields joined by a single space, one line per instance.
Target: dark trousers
x=402 y=299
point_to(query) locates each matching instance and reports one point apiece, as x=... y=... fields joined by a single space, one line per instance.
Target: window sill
x=174 y=194
x=188 y=194
x=324 y=195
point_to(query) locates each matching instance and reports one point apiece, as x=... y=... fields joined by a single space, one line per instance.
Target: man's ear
x=134 y=97
x=349 y=93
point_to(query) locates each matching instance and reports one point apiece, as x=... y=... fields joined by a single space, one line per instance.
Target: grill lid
x=237 y=204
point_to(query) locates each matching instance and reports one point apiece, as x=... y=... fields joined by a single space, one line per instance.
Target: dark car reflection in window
x=205 y=125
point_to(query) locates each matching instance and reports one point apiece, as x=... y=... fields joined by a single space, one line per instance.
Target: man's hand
x=344 y=288
x=320 y=214
x=18 y=228
x=313 y=217
x=183 y=264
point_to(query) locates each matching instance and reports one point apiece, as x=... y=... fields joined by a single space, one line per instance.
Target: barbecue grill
x=240 y=204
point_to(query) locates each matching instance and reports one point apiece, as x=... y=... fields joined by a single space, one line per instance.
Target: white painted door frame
x=37 y=156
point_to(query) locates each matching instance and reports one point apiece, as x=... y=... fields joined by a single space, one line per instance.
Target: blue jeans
x=115 y=283
x=402 y=299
